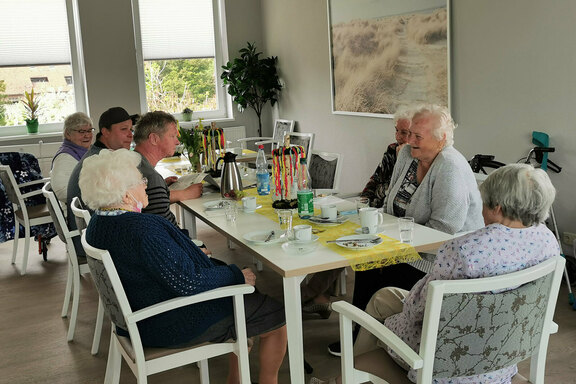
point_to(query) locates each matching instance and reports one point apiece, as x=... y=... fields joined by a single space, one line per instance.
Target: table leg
x=189 y=222
x=293 y=310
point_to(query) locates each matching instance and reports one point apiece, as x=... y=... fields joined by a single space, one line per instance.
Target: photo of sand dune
x=382 y=62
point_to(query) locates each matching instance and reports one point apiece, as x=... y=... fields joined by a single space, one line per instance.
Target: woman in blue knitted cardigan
x=157 y=262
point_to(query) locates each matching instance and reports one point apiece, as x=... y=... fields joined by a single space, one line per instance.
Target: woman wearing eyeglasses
x=77 y=135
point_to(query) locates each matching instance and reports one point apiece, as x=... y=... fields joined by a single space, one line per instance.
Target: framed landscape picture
x=387 y=53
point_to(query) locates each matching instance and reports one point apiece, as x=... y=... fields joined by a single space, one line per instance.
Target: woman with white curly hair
x=157 y=262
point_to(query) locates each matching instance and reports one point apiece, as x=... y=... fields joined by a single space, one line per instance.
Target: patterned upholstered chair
x=148 y=361
x=470 y=327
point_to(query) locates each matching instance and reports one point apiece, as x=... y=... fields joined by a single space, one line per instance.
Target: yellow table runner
x=389 y=252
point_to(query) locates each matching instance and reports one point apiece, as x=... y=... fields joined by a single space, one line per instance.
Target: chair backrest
x=281 y=128
x=481 y=325
x=108 y=284
x=57 y=214
x=325 y=169
x=305 y=140
x=81 y=215
x=232 y=134
x=11 y=186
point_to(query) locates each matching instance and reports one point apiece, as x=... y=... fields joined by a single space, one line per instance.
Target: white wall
x=513 y=72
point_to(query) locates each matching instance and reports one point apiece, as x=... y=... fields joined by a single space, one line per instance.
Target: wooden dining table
x=294 y=267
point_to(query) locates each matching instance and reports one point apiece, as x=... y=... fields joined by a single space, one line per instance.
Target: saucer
x=380 y=229
x=297 y=248
x=252 y=210
x=312 y=240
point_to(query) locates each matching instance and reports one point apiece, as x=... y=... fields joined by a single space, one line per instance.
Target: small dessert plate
x=264 y=237
x=297 y=248
x=325 y=221
x=357 y=242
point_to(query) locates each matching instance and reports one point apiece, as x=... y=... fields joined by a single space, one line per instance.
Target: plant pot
x=187 y=116
x=32 y=126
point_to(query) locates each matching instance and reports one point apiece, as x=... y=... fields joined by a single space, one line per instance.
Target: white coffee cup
x=329 y=212
x=370 y=218
x=249 y=203
x=303 y=232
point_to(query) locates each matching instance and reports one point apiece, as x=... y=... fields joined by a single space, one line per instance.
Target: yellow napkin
x=389 y=252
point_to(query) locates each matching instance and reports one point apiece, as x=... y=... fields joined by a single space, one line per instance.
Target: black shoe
x=334 y=349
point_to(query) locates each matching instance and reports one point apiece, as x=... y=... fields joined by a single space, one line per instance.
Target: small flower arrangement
x=192 y=140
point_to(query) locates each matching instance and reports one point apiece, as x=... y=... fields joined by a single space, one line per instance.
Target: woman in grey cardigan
x=431 y=182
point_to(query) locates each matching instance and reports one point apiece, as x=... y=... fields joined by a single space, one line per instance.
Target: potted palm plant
x=31 y=104
x=252 y=81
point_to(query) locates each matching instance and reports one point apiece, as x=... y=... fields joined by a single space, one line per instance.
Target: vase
x=32 y=126
x=195 y=165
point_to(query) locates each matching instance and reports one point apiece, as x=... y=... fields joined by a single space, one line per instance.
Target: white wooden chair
x=27 y=216
x=148 y=361
x=76 y=267
x=325 y=169
x=517 y=324
x=281 y=128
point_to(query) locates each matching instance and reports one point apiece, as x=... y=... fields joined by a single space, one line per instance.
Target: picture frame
x=388 y=53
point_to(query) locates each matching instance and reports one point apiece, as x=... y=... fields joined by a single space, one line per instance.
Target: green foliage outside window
x=172 y=85
x=2 y=102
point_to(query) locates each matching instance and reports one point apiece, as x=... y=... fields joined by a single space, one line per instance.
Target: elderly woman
x=431 y=182
x=157 y=262
x=375 y=189
x=516 y=201
x=77 y=139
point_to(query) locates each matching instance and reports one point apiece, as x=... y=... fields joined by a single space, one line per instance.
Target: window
x=38 y=51
x=38 y=80
x=182 y=46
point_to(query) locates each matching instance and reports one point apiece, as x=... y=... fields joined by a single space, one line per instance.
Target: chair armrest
x=253 y=139
x=380 y=331
x=34 y=182
x=32 y=193
x=553 y=328
x=168 y=305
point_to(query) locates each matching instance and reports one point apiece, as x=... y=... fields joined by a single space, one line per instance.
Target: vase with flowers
x=192 y=139
x=31 y=104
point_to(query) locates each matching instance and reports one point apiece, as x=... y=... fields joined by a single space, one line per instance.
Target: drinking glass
x=406 y=228
x=285 y=220
x=231 y=211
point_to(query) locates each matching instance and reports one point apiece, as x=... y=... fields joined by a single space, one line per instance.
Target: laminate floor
x=33 y=347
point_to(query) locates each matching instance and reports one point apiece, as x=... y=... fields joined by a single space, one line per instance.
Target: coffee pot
x=230 y=180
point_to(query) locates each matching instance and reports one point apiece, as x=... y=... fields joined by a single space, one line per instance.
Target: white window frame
x=224 y=110
x=78 y=72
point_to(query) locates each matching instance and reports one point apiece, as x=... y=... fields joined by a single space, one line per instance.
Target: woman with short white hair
x=157 y=262
x=77 y=136
x=516 y=201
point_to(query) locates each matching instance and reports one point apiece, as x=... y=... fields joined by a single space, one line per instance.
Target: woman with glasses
x=77 y=139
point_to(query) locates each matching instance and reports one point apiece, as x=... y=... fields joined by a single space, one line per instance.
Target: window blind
x=176 y=29
x=33 y=32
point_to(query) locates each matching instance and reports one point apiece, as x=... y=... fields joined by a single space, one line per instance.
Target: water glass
x=362 y=202
x=285 y=220
x=406 y=228
x=231 y=211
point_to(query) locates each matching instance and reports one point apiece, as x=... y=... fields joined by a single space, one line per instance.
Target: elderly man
x=156 y=137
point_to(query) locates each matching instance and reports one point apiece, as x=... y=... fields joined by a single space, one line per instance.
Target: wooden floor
x=33 y=345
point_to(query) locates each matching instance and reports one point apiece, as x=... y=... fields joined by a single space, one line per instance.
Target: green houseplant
x=252 y=81
x=187 y=114
x=31 y=104
x=192 y=139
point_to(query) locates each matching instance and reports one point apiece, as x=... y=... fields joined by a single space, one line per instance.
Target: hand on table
x=249 y=277
x=193 y=192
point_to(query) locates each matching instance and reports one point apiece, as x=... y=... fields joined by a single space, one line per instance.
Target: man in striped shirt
x=156 y=137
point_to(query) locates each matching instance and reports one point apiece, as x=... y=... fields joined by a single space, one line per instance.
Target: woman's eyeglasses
x=144 y=181
x=84 y=131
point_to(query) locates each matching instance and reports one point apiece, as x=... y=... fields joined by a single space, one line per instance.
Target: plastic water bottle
x=305 y=195
x=262 y=175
